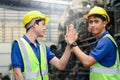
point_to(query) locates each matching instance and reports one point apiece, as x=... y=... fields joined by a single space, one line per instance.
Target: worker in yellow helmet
x=29 y=57
x=103 y=60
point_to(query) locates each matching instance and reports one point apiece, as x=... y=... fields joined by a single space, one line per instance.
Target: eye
x=96 y=21
x=90 y=22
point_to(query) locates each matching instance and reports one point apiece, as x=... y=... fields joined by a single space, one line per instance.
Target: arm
x=86 y=60
x=18 y=74
x=16 y=61
x=62 y=62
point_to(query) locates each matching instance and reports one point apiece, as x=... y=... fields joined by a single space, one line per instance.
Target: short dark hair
x=103 y=17
x=37 y=21
x=28 y=26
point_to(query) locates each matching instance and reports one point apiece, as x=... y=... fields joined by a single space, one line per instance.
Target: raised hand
x=71 y=34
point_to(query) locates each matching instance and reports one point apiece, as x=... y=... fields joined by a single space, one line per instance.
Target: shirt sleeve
x=16 y=58
x=103 y=49
x=50 y=54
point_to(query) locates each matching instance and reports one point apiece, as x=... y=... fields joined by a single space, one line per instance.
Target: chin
x=93 y=33
x=41 y=36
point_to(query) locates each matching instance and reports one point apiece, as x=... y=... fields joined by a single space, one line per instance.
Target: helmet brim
x=86 y=16
x=47 y=20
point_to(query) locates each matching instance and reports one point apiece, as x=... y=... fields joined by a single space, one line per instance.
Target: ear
x=34 y=25
x=104 y=23
x=89 y=29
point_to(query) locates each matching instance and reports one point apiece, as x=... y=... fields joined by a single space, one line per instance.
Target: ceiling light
x=55 y=1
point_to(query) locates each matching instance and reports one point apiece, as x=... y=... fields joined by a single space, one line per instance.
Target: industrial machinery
x=74 y=69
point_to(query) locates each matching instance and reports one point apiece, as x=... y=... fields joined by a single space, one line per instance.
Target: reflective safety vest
x=33 y=69
x=100 y=72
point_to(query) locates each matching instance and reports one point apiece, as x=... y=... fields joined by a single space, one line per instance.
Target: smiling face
x=96 y=25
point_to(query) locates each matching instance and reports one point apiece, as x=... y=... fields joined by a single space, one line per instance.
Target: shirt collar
x=26 y=38
x=106 y=32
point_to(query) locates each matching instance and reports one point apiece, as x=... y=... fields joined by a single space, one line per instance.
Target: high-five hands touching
x=71 y=34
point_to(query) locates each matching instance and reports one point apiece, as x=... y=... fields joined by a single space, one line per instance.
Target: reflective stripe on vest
x=34 y=74
x=25 y=55
x=105 y=69
x=31 y=74
x=117 y=51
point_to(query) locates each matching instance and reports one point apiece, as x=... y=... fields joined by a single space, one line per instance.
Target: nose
x=45 y=27
x=93 y=23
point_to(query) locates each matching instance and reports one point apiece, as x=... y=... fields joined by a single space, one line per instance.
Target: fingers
x=70 y=30
x=67 y=29
x=70 y=27
x=76 y=36
x=71 y=34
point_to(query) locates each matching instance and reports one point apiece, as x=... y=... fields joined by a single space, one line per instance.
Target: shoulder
x=16 y=41
x=14 y=44
x=105 y=44
x=50 y=54
x=105 y=41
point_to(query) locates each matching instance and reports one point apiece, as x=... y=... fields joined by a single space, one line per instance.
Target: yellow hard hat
x=32 y=15
x=97 y=10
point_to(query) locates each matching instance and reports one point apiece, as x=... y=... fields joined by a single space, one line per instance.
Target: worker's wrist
x=74 y=44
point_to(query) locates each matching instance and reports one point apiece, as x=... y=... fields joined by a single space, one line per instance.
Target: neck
x=99 y=35
x=32 y=37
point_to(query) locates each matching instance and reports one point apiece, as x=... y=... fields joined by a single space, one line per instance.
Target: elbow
x=61 y=68
x=89 y=62
x=86 y=65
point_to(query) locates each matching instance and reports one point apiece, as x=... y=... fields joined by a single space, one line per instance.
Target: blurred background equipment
x=74 y=14
x=61 y=14
x=11 y=23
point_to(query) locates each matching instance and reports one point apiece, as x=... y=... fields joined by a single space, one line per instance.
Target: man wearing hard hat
x=29 y=57
x=103 y=60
